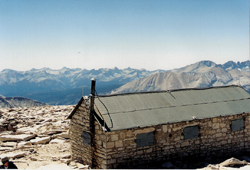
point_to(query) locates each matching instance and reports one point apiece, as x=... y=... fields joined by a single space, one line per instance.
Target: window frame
x=237 y=124
x=195 y=129
x=145 y=139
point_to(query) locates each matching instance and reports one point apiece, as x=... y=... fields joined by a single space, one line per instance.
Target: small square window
x=145 y=139
x=237 y=125
x=86 y=138
x=191 y=132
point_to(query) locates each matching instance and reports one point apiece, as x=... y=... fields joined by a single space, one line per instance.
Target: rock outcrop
x=35 y=137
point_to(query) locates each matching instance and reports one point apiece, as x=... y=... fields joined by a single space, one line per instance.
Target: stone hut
x=127 y=130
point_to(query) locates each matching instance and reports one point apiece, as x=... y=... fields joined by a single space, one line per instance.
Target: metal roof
x=125 y=111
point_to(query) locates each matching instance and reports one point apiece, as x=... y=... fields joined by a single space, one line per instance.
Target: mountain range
x=200 y=74
x=64 y=86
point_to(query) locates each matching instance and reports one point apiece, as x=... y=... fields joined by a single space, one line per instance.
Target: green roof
x=125 y=111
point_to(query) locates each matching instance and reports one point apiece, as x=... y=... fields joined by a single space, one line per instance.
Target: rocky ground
x=37 y=137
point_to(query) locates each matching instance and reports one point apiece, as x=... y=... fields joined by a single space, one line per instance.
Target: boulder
x=57 y=141
x=212 y=167
x=24 y=144
x=81 y=166
x=40 y=112
x=73 y=165
x=233 y=162
x=33 y=158
x=66 y=156
x=40 y=140
x=27 y=129
x=13 y=155
x=63 y=135
x=22 y=137
x=4 y=121
x=8 y=144
x=66 y=161
x=52 y=132
x=5 y=148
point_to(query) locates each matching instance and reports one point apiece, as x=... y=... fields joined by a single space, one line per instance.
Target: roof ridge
x=167 y=91
x=180 y=105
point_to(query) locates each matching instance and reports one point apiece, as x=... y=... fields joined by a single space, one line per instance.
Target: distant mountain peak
x=207 y=63
x=115 y=68
x=236 y=65
x=230 y=64
x=200 y=74
x=8 y=70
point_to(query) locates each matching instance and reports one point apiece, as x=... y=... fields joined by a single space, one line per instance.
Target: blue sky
x=150 y=34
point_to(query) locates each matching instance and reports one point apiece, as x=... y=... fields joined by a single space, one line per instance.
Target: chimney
x=91 y=118
x=92 y=94
x=93 y=86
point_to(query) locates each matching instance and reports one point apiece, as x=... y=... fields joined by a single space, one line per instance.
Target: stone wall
x=80 y=137
x=100 y=152
x=118 y=149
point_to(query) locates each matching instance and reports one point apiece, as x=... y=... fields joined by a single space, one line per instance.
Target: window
x=191 y=132
x=86 y=138
x=145 y=139
x=237 y=125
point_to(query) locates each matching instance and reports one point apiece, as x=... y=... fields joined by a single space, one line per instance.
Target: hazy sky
x=150 y=34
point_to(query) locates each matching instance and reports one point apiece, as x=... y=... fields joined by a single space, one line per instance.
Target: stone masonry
x=79 y=124
x=118 y=149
